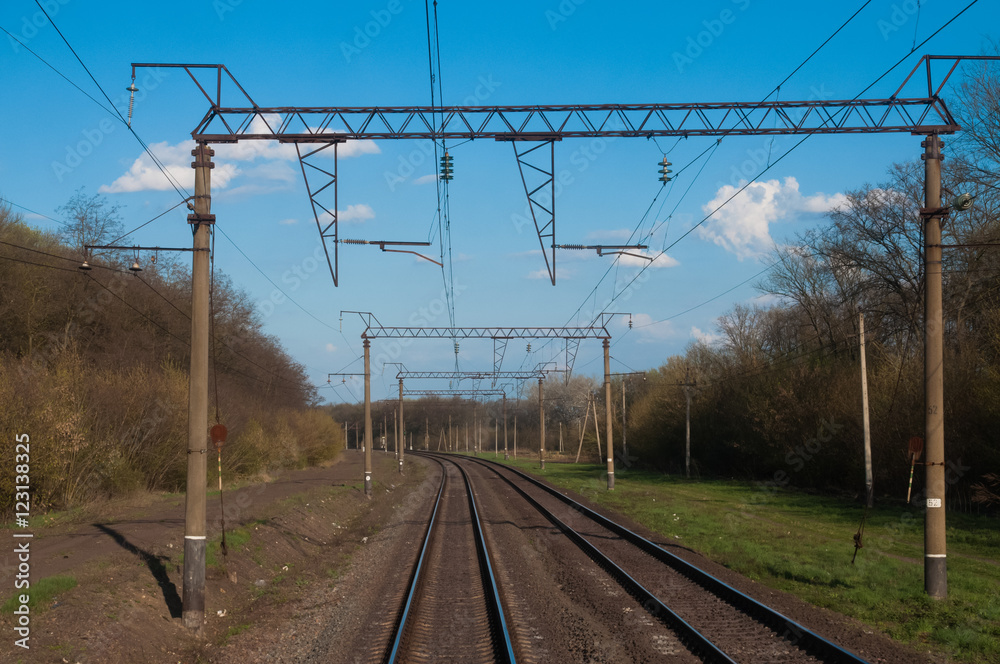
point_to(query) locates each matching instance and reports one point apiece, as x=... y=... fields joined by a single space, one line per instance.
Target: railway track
x=716 y=622
x=452 y=610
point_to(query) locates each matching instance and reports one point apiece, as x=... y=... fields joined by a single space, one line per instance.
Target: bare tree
x=90 y=220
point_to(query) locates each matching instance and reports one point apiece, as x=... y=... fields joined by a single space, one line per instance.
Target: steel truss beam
x=469 y=375
x=499 y=348
x=541 y=195
x=380 y=332
x=326 y=221
x=548 y=123
x=572 y=347
x=452 y=393
x=375 y=330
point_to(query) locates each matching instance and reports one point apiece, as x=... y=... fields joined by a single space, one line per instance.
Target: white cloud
x=288 y=222
x=659 y=259
x=424 y=179
x=330 y=348
x=649 y=330
x=742 y=226
x=143 y=174
x=706 y=338
x=359 y=212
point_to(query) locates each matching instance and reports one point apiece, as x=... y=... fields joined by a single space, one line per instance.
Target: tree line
x=94 y=367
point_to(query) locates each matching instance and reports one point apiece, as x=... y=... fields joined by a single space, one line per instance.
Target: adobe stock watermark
x=223 y=7
x=696 y=45
x=30 y=25
x=364 y=34
x=899 y=16
x=418 y=156
x=93 y=137
x=562 y=12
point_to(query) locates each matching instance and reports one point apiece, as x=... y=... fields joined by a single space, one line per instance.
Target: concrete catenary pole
x=368 y=419
x=607 y=413
x=541 y=425
x=869 y=481
x=505 y=455
x=935 y=554
x=402 y=428
x=197 y=460
x=624 y=438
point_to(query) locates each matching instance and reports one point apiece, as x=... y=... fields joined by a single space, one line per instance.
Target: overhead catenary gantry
x=532 y=128
x=374 y=329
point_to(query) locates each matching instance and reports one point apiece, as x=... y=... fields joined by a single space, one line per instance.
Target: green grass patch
x=40 y=593
x=234 y=540
x=802 y=544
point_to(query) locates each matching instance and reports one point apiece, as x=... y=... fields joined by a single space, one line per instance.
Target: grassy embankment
x=802 y=544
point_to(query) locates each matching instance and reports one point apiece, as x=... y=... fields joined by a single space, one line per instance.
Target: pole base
x=194 y=583
x=368 y=486
x=936 y=577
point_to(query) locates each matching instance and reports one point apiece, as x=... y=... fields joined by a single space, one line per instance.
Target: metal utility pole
x=197 y=460
x=345 y=435
x=427 y=435
x=368 y=419
x=496 y=439
x=607 y=413
x=402 y=428
x=449 y=433
x=560 y=438
x=688 y=386
x=935 y=554
x=541 y=424
x=869 y=482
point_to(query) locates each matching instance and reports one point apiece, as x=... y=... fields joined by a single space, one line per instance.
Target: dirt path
x=297 y=531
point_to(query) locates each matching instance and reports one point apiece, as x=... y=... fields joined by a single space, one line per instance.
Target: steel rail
x=803 y=638
x=688 y=635
x=499 y=627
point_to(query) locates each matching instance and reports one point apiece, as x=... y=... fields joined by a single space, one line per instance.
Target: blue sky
x=375 y=53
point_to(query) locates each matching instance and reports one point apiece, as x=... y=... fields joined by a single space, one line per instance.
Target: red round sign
x=916 y=446
x=218 y=434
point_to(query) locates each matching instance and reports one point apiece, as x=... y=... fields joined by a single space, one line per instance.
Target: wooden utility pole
x=869 y=482
x=427 y=435
x=197 y=459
